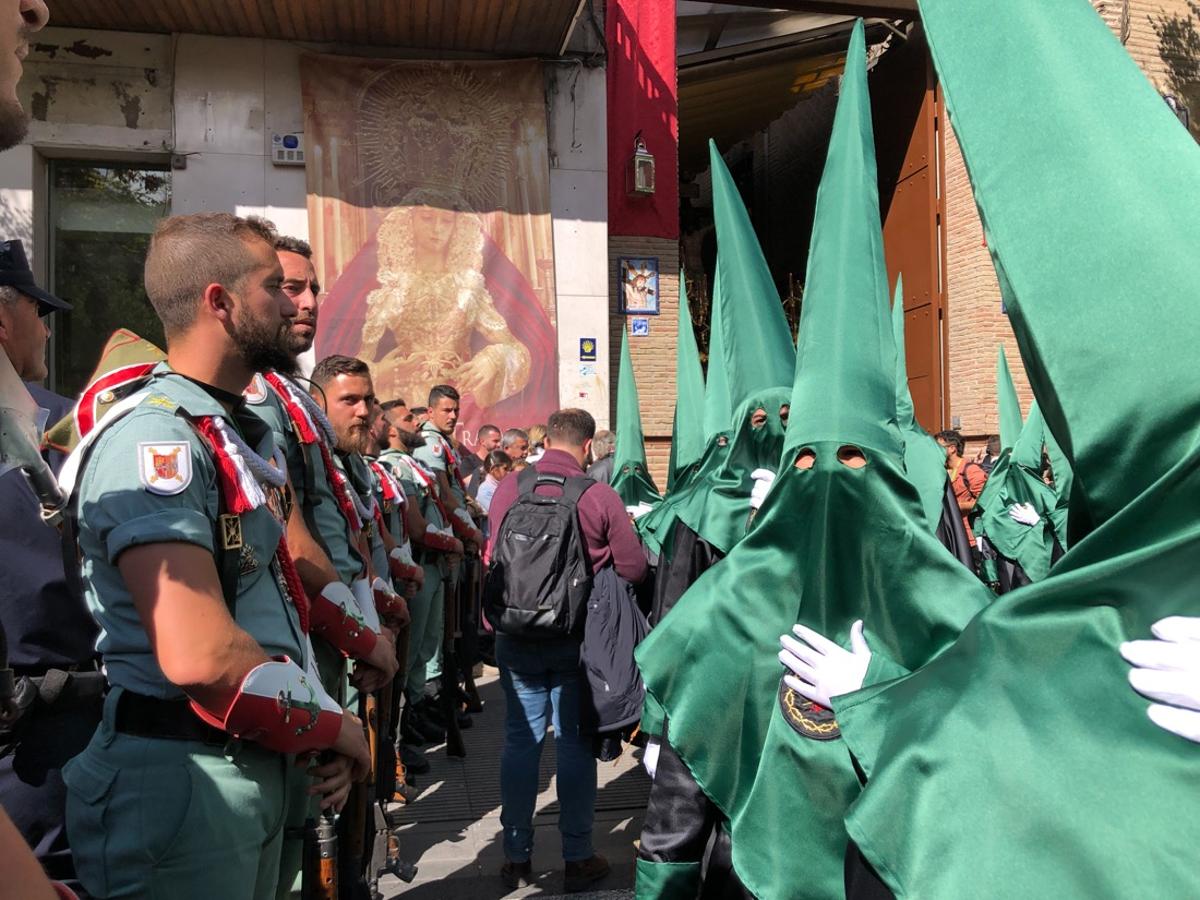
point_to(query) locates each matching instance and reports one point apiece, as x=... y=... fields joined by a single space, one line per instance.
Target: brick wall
x=654 y=355
x=975 y=323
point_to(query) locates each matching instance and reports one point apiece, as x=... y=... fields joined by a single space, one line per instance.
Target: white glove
x=1024 y=513
x=638 y=511
x=763 y=479
x=820 y=668
x=1168 y=670
x=402 y=553
x=650 y=756
x=445 y=530
x=364 y=599
x=465 y=517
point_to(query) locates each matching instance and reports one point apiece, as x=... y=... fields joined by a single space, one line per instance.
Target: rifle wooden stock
x=319 y=879
x=353 y=822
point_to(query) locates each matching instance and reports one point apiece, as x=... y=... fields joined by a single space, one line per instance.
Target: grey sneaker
x=579 y=875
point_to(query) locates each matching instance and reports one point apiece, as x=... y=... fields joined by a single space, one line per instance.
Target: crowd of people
x=240 y=601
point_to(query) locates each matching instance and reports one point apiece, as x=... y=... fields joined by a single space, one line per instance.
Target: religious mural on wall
x=429 y=217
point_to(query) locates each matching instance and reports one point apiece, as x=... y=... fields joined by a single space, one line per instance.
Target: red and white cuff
x=281 y=707
x=335 y=615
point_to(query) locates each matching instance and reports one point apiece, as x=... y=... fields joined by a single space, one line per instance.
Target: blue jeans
x=540 y=677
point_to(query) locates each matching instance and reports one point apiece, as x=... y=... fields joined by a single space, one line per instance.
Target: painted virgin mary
x=432 y=318
x=432 y=299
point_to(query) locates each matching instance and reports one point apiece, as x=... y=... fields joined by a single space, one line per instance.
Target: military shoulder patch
x=165 y=468
x=436 y=447
x=807 y=718
x=256 y=392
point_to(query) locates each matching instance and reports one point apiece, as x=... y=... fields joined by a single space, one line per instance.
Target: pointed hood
x=1009 y=405
x=687 y=430
x=924 y=459
x=630 y=478
x=1063 y=479
x=1085 y=183
x=756 y=340
x=718 y=408
x=1017 y=478
x=821 y=546
x=843 y=390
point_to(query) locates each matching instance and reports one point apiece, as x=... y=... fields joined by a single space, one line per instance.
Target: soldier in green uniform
x=436 y=550
x=439 y=456
x=322 y=534
x=182 y=792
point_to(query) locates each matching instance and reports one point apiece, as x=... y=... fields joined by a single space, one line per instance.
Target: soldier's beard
x=356 y=439
x=263 y=347
x=14 y=123
x=411 y=440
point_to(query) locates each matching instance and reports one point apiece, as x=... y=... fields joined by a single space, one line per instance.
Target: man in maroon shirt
x=540 y=675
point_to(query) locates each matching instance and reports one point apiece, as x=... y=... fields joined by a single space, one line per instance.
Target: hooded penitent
x=924 y=459
x=630 y=477
x=756 y=361
x=1063 y=479
x=657 y=527
x=687 y=430
x=831 y=544
x=750 y=362
x=1020 y=763
x=1017 y=478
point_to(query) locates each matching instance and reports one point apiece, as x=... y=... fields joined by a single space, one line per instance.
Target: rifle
x=353 y=823
x=448 y=696
x=470 y=639
x=320 y=874
x=401 y=790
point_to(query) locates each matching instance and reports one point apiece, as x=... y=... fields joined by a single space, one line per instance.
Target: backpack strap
x=527 y=479
x=575 y=487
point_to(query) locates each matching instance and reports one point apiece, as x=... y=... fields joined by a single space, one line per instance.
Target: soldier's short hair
x=485 y=430
x=438 y=391
x=188 y=253
x=389 y=405
x=332 y=366
x=571 y=427
x=289 y=244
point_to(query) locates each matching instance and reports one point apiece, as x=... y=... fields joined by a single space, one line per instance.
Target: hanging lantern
x=641 y=169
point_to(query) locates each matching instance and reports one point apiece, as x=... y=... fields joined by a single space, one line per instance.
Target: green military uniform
x=362 y=480
x=155 y=816
x=425 y=609
x=312 y=493
x=434 y=456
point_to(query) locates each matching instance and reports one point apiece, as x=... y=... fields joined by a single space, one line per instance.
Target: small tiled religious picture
x=639 y=286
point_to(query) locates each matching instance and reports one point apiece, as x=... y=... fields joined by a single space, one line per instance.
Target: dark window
x=101 y=218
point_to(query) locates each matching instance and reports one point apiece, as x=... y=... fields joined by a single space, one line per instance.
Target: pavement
x=452 y=831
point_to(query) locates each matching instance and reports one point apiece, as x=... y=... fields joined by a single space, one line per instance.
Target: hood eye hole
x=758 y=418
x=806 y=459
x=851 y=457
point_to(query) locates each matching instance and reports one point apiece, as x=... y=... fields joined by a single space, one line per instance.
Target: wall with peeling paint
x=215 y=102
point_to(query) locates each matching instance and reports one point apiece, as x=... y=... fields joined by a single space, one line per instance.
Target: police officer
x=182 y=791
x=324 y=535
x=50 y=634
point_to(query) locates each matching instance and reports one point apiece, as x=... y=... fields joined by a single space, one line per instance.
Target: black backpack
x=540 y=576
